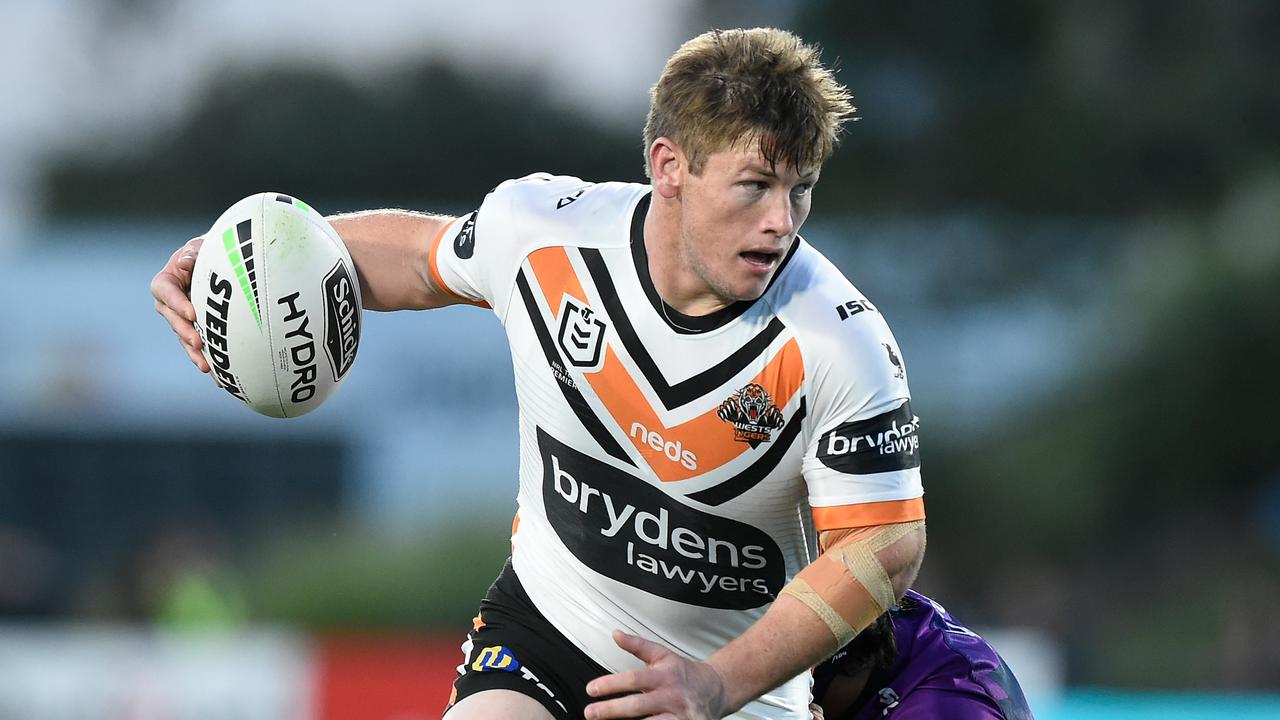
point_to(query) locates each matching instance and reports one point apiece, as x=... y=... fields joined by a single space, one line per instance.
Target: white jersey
x=673 y=469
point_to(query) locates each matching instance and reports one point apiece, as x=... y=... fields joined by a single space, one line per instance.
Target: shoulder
x=842 y=334
x=479 y=256
x=926 y=619
x=523 y=216
x=944 y=662
x=931 y=643
x=541 y=205
x=536 y=189
x=813 y=296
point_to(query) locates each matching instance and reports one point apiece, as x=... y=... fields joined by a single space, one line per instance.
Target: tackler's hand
x=669 y=687
x=171 y=288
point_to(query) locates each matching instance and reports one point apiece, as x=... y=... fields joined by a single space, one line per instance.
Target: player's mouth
x=761 y=260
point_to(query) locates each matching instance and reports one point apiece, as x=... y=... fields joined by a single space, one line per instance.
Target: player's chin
x=752 y=280
x=748 y=290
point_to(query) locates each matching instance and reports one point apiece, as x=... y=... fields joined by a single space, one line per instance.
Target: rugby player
x=916 y=662
x=705 y=404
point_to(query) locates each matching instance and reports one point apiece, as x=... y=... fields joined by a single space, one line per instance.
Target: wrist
x=729 y=699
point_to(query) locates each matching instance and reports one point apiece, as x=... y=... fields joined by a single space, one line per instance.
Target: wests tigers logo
x=753 y=414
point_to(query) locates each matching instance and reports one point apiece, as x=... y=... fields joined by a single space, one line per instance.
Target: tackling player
x=916 y=662
x=703 y=399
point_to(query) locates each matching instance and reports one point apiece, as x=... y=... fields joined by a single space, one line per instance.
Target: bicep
x=898 y=548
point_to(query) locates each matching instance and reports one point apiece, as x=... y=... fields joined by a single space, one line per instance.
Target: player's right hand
x=171 y=287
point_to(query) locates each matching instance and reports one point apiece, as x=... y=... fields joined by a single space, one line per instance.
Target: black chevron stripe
x=758 y=470
x=689 y=389
x=244 y=234
x=576 y=401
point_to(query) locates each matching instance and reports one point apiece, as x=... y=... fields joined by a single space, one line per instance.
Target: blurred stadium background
x=1070 y=213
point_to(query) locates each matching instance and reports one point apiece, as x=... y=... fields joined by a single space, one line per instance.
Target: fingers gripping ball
x=277 y=305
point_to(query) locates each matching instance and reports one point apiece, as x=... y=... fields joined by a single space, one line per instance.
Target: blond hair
x=730 y=87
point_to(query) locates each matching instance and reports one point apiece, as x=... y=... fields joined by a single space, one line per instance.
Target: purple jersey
x=941 y=670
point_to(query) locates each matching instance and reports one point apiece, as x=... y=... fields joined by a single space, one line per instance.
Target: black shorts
x=514 y=648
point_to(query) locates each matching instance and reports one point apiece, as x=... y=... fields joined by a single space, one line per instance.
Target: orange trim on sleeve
x=435 y=271
x=866 y=514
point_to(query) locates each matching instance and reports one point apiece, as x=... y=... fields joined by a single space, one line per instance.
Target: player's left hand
x=669 y=687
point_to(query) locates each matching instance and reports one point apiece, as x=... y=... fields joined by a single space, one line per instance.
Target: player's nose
x=779 y=216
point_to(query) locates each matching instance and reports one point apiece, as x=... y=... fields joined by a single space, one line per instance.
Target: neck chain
x=662 y=306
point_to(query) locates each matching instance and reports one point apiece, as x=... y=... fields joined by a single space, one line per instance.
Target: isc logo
x=671 y=449
x=853 y=307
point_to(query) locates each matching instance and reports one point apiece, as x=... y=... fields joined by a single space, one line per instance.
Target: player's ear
x=668 y=162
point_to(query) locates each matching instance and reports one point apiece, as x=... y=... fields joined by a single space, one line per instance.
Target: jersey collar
x=676 y=320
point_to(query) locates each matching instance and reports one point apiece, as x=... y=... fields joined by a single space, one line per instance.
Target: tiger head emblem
x=755 y=402
x=752 y=413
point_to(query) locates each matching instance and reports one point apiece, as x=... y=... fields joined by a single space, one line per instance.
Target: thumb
x=647 y=650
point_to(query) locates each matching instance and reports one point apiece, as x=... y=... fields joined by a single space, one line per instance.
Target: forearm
x=390 y=250
x=788 y=640
x=795 y=633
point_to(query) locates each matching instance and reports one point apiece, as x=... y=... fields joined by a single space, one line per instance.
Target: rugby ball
x=277 y=305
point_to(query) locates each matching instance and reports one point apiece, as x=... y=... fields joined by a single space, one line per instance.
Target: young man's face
x=739 y=217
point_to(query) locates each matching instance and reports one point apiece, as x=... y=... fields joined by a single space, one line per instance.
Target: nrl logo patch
x=581 y=337
x=752 y=413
